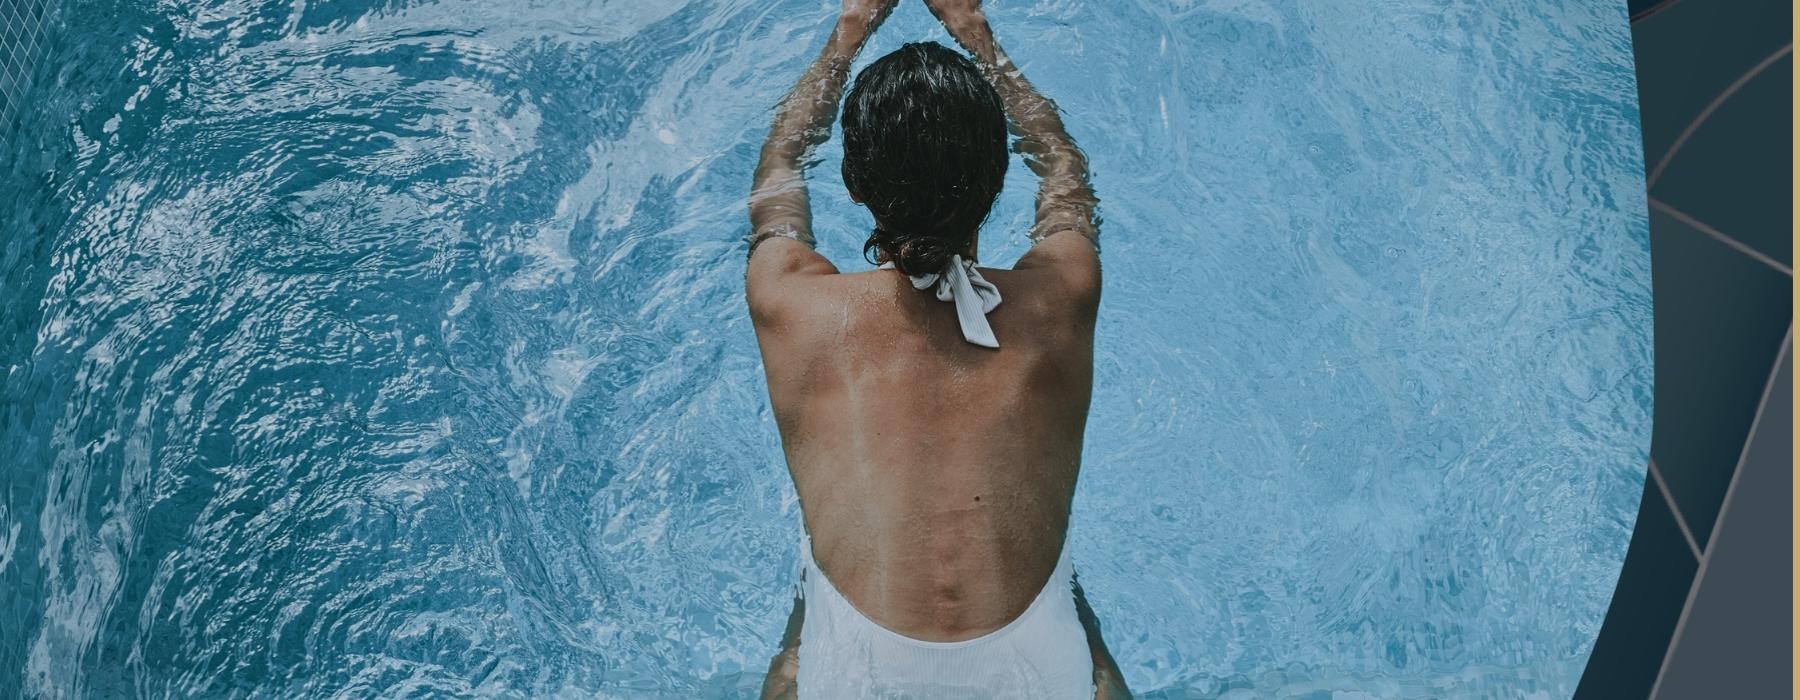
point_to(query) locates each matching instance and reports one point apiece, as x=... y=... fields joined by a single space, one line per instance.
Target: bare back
x=935 y=476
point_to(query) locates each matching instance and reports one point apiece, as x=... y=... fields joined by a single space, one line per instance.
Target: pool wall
x=1702 y=607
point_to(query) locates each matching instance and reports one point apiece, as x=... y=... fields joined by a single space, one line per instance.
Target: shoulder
x=783 y=277
x=1066 y=267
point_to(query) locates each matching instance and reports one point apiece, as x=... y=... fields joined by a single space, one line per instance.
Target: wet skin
x=935 y=476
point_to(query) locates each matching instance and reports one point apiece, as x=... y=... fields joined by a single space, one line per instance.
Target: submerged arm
x=779 y=204
x=1109 y=683
x=1066 y=199
x=783 y=680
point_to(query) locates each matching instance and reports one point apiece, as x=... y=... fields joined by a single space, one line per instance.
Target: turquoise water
x=397 y=348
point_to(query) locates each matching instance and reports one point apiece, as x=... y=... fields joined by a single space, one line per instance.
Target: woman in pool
x=935 y=447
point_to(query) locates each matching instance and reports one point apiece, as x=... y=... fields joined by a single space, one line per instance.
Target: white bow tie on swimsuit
x=974 y=297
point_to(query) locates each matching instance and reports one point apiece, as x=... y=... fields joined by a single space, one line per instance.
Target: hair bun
x=919 y=254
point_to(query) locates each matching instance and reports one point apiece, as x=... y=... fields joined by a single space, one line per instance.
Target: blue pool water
x=389 y=347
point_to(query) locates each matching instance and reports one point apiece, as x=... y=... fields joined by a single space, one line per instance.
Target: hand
x=1109 y=687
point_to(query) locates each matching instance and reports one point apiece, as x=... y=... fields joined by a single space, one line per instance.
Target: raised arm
x=779 y=205
x=1066 y=199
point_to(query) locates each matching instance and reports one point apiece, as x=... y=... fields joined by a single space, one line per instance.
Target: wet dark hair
x=925 y=149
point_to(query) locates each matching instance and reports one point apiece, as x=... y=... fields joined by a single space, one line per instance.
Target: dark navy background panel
x=1702 y=604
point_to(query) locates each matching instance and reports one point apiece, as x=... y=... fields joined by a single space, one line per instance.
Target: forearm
x=1034 y=114
x=802 y=122
x=1065 y=195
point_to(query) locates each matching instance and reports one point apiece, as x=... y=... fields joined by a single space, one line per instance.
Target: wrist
x=853 y=32
x=972 y=32
x=966 y=26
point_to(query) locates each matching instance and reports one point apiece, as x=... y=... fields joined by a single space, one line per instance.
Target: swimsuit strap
x=975 y=297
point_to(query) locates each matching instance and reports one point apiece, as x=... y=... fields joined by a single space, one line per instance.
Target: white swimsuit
x=1043 y=653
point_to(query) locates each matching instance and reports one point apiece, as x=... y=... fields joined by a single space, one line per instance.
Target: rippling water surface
x=397 y=347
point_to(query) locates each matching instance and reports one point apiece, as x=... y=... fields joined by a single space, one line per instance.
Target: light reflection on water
x=397 y=347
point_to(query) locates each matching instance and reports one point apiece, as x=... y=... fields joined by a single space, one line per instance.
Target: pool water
x=388 y=347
